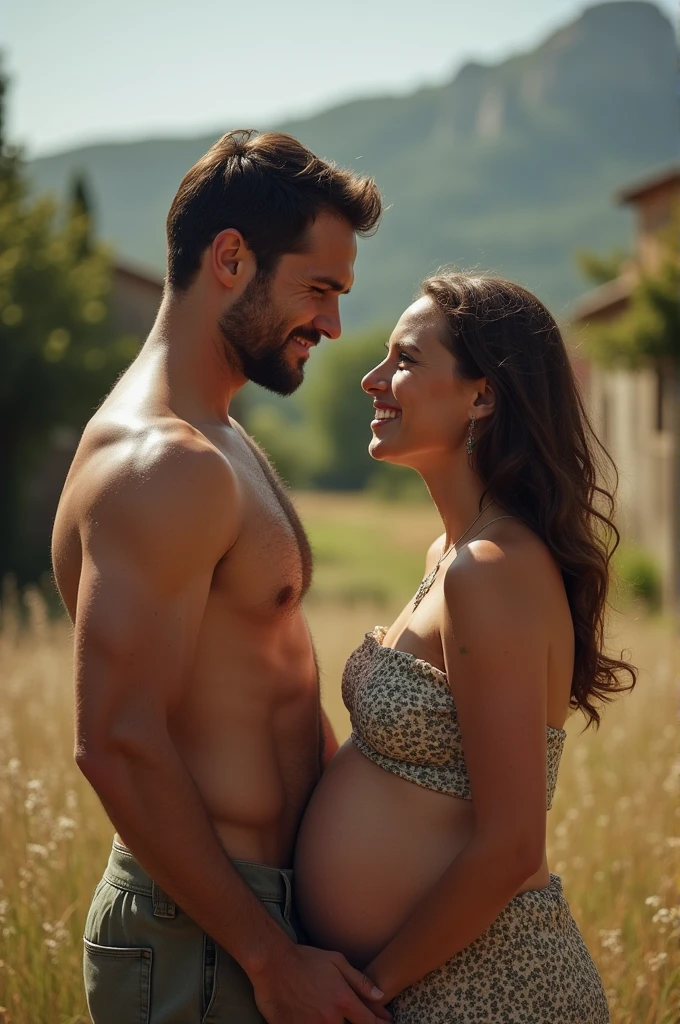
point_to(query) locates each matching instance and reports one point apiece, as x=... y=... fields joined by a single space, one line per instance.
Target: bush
x=639 y=574
x=295 y=451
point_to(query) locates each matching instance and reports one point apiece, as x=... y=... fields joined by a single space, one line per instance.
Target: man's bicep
x=145 y=580
x=134 y=645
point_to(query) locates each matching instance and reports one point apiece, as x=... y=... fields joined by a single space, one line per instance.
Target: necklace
x=427 y=582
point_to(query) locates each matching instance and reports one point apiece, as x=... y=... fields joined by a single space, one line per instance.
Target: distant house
x=135 y=298
x=636 y=413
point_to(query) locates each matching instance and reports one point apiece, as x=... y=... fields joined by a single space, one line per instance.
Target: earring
x=471 y=442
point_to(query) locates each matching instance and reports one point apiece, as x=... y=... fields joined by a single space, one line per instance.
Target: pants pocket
x=117 y=983
x=209 y=962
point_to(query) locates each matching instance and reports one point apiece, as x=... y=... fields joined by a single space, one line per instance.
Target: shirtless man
x=183 y=565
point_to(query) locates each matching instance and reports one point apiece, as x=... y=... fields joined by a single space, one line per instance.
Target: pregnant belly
x=370 y=846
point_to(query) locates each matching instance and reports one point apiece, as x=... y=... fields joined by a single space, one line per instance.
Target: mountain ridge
x=508 y=166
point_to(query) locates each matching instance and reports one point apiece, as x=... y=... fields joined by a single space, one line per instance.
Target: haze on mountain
x=509 y=167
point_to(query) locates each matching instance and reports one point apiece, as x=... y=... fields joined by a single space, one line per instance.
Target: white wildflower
x=36 y=850
x=671 y=784
x=656 y=960
x=64 y=828
x=611 y=940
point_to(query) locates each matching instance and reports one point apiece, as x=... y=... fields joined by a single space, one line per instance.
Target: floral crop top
x=405 y=720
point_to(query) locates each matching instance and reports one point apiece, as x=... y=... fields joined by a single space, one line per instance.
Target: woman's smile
x=384 y=414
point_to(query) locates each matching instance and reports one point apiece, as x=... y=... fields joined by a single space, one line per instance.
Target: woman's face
x=422 y=408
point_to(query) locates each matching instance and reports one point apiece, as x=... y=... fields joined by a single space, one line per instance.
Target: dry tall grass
x=614 y=830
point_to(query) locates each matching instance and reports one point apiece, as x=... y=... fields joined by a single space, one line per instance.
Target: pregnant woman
x=422 y=853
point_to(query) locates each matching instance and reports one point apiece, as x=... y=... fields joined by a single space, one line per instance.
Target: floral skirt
x=530 y=967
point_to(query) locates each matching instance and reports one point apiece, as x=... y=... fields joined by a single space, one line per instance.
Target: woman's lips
x=384 y=414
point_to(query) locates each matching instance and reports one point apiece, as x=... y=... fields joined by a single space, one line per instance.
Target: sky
x=93 y=70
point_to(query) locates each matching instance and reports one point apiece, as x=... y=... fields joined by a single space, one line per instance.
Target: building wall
x=637 y=413
x=655 y=212
x=134 y=302
x=632 y=417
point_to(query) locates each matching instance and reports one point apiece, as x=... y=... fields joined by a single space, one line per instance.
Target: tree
x=649 y=329
x=81 y=209
x=600 y=269
x=339 y=412
x=58 y=355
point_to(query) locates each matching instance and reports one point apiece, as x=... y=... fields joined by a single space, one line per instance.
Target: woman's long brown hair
x=539 y=457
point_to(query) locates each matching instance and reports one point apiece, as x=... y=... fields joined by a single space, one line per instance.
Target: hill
x=509 y=166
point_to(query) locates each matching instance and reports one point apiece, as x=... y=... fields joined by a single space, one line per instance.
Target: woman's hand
x=313 y=986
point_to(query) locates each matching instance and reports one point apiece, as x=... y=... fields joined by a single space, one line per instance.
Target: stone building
x=637 y=413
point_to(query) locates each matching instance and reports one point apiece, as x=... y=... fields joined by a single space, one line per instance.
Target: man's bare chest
x=270 y=564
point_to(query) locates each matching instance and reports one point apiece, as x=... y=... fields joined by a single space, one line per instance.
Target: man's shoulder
x=149 y=463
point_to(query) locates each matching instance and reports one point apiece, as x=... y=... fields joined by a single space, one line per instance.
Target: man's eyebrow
x=331 y=283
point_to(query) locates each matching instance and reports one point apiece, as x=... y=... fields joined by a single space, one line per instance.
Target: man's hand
x=313 y=986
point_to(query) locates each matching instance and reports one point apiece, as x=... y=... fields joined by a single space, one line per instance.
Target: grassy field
x=614 y=832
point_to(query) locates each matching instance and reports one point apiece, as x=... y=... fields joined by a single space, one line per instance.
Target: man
x=183 y=565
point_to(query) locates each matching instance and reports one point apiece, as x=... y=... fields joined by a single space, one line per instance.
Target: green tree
x=600 y=269
x=339 y=412
x=58 y=355
x=649 y=329
x=81 y=210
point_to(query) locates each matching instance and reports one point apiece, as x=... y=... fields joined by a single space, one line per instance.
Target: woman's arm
x=495 y=643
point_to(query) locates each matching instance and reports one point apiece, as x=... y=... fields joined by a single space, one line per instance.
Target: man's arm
x=150 y=546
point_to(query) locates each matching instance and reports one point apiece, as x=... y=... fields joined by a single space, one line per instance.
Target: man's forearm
x=153 y=803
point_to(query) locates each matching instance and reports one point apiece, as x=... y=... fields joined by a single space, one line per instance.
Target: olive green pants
x=146 y=962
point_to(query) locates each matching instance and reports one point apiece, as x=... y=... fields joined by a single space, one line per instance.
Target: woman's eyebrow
x=404 y=344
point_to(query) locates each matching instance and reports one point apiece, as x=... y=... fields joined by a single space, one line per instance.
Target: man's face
x=281 y=316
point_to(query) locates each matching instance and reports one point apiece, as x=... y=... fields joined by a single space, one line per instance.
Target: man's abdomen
x=248 y=731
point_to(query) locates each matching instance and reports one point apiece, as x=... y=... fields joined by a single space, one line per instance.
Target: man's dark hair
x=269 y=187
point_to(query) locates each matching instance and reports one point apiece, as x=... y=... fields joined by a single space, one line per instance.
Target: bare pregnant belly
x=370 y=846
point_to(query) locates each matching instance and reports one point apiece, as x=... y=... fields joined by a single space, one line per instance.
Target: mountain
x=509 y=167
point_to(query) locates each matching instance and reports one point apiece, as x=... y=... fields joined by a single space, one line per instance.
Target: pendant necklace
x=426 y=584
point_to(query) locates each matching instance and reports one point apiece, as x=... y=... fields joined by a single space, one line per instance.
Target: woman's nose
x=376 y=379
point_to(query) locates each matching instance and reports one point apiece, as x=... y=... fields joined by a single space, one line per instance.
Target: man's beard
x=258 y=338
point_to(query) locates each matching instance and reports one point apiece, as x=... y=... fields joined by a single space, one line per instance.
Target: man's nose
x=328 y=323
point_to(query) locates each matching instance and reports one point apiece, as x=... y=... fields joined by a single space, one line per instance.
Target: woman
x=422 y=855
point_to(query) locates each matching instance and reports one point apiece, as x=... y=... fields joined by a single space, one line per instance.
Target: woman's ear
x=484 y=402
